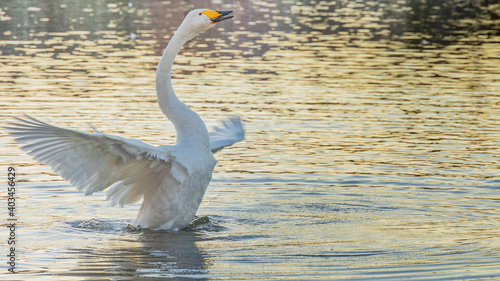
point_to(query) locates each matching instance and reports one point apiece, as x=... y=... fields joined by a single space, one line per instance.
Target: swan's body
x=171 y=180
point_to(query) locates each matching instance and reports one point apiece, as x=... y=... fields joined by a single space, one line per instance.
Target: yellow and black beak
x=218 y=16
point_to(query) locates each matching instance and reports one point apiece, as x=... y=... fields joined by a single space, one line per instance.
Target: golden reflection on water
x=373 y=123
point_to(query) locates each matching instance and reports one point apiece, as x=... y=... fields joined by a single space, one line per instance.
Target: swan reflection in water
x=157 y=254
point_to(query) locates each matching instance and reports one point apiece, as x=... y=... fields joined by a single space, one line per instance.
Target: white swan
x=171 y=180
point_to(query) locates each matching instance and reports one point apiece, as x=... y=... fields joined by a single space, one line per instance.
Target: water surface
x=372 y=148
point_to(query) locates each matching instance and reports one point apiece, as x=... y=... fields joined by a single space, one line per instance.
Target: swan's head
x=200 y=20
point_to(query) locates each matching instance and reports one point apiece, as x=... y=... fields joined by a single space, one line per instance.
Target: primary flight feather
x=171 y=179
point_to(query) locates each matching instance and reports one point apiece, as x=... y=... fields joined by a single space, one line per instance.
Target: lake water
x=371 y=152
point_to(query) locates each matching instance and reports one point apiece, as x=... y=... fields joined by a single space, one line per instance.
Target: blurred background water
x=372 y=148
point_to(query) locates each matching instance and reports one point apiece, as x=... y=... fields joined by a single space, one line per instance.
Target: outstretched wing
x=230 y=132
x=94 y=162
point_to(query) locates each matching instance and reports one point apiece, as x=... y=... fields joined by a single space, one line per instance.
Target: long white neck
x=189 y=126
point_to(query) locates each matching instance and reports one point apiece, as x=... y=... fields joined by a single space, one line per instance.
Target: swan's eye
x=199 y=14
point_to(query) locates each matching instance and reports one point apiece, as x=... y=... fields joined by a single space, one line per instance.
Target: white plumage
x=171 y=180
x=231 y=132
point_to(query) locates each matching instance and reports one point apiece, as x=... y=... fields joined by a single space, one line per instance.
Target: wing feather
x=95 y=161
x=229 y=133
